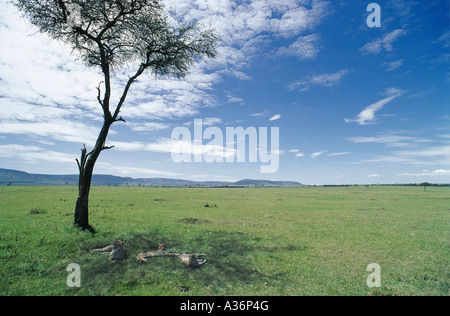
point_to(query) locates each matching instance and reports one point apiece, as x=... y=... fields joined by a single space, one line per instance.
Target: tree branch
x=106 y=72
x=82 y=162
x=98 y=96
x=125 y=93
x=107 y=147
x=79 y=166
x=120 y=119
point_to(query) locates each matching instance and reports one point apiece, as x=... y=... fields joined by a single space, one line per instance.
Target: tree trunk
x=81 y=217
x=86 y=168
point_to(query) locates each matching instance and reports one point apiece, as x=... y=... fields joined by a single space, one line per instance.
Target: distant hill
x=15 y=177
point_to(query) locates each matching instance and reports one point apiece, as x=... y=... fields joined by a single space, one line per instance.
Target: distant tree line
x=424 y=184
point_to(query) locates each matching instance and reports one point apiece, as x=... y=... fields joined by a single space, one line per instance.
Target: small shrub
x=35 y=211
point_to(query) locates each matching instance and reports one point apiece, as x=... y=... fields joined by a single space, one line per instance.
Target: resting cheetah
x=192 y=260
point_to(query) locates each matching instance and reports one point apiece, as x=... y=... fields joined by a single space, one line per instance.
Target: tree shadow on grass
x=230 y=263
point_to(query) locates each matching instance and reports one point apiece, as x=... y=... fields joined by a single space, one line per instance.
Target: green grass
x=286 y=241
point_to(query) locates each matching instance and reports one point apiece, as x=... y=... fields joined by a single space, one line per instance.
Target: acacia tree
x=109 y=34
x=425 y=185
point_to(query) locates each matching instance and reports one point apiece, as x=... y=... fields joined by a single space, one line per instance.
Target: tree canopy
x=117 y=32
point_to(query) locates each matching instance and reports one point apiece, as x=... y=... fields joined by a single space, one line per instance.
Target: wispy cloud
x=339 y=154
x=148 y=127
x=438 y=172
x=443 y=40
x=327 y=80
x=367 y=116
x=172 y=146
x=392 y=141
x=434 y=155
x=390 y=66
x=34 y=154
x=381 y=139
x=317 y=154
x=58 y=130
x=261 y=114
x=297 y=153
x=133 y=171
x=207 y=121
x=383 y=43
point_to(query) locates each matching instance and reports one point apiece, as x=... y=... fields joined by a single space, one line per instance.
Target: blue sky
x=353 y=104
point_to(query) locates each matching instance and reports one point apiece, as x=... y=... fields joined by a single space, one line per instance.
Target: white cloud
x=443 y=40
x=169 y=146
x=233 y=99
x=34 y=154
x=327 y=80
x=438 y=172
x=367 y=116
x=207 y=121
x=275 y=117
x=317 y=154
x=210 y=121
x=339 y=154
x=136 y=172
x=262 y=114
x=409 y=149
x=148 y=127
x=58 y=129
x=235 y=73
x=383 y=43
x=437 y=155
x=391 y=140
x=297 y=153
x=428 y=152
x=390 y=66
x=245 y=27
x=44 y=92
x=162 y=145
x=161 y=99
x=305 y=47
x=381 y=139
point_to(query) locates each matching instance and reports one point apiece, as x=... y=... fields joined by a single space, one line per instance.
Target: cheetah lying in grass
x=117 y=252
x=191 y=260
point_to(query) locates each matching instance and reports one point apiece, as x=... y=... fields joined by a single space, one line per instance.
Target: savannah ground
x=264 y=241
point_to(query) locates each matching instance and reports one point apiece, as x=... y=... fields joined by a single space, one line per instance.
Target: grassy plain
x=265 y=241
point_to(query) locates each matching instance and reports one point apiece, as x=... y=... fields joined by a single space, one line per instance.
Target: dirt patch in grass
x=36 y=211
x=194 y=221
